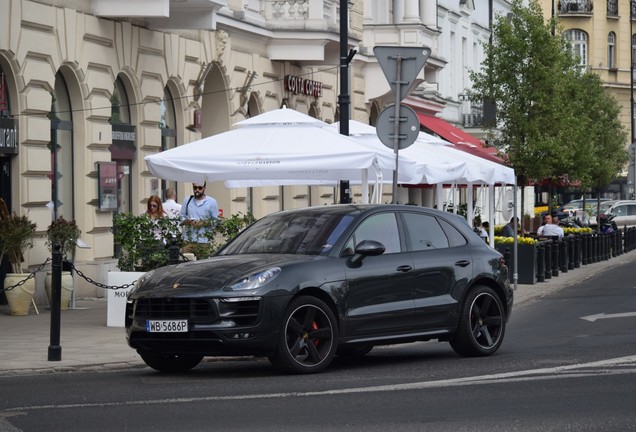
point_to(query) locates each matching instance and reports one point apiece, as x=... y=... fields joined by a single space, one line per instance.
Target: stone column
x=428 y=12
x=411 y=11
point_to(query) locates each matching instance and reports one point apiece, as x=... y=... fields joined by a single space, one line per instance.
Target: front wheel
x=482 y=324
x=308 y=337
x=171 y=363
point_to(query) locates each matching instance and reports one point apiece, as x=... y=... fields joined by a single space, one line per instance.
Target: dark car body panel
x=392 y=297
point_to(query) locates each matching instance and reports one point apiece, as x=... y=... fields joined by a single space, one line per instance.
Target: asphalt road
x=568 y=364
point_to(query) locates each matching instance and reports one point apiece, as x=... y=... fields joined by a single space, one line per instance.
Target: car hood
x=212 y=274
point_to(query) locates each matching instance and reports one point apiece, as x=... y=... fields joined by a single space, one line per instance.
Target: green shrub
x=143 y=242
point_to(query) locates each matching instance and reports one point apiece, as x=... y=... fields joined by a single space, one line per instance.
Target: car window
x=619 y=210
x=455 y=238
x=423 y=232
x=631 y=209
x=298 y=233
x=379 y=227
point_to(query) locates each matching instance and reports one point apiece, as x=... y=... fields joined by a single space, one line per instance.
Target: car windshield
x=290 y=233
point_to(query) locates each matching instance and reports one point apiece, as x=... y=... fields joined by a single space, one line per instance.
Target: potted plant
x=66 y=233
x=16 y=236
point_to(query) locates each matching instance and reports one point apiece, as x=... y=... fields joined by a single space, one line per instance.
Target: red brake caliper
x=314 y=326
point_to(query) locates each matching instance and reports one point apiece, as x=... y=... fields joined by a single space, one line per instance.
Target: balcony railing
x=576 y=6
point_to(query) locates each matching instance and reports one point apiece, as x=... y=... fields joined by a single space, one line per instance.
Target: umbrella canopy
x=478 y=169
x=280 y=116
x=270 y=147
x=436 y=160
x=414 y=166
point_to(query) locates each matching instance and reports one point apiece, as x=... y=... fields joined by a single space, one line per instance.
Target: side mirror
x=366 y=248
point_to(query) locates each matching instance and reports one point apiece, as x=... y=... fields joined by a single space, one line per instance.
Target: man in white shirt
x=549 y=228
x=170 y=206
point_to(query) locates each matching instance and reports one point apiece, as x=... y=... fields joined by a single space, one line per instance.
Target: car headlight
x=256 y=280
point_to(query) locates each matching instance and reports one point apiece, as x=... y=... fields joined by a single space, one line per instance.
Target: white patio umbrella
x=414 y=167
x=298 y=149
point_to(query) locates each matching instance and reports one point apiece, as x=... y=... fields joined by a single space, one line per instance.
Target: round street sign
x=408 y=126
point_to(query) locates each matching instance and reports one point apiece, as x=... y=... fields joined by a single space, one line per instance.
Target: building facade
x=90 y=87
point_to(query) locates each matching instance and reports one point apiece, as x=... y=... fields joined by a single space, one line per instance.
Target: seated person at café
x=549 y=228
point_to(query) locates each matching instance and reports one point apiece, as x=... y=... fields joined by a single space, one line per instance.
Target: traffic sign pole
x=396 y=125
x=409 y=61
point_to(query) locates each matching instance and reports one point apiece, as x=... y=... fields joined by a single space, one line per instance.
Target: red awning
x=462 y=140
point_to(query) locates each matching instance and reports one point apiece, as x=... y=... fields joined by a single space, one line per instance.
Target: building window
x=611 y=50
x=578 y=41
x=123 y=148
x=62 y=168
x=612 y=8
x=168 y=131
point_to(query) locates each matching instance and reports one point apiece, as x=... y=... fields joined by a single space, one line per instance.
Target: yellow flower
x=511 y=240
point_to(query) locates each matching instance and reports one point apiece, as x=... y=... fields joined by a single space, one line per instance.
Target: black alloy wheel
x=171 y=363
x=482 y=324
x=308 y=337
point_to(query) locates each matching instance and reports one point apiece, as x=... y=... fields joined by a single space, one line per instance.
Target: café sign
x=299 y=85
x=8 y=136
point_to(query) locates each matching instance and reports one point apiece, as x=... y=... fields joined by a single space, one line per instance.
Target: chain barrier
x=30 y=276
x=80 y=274
x=99 y=284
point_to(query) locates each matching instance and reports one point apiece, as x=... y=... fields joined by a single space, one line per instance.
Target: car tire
x=171 y=363
x=308 y=337
x=482 y=324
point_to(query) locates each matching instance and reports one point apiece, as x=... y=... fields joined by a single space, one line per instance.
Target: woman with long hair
x=154 y=208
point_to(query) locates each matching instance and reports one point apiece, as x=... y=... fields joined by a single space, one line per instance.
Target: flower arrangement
x=16 y=236
x=577 y=231
x=66 y=232
x=520 y=240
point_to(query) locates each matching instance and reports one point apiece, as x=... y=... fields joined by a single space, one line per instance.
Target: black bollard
x=548 y=259
x=55 y=349
x=584 y=248
x=577 y=251
x=540 y=262
x=563 y=255
x=555 y=257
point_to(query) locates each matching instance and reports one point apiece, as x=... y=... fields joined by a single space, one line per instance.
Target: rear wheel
x=308 y=337
x=482 y=324
x=171 y=363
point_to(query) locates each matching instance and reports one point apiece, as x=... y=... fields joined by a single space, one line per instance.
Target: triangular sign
x=412 y=60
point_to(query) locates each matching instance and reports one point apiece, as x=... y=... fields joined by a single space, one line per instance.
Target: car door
x=442 y=264
x=379 y=296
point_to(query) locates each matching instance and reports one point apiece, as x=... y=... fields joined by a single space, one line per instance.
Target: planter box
x=527 y=262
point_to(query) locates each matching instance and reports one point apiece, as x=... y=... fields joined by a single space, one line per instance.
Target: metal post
x=396 y=125
x=55 y=349
x=344 y=101
x=173 y=252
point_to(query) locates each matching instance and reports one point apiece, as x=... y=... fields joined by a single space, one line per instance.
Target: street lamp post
x=344 y=100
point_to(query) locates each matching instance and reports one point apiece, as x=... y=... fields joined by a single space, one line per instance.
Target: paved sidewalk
x=88 y=344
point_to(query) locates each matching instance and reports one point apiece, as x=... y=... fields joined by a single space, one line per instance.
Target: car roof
x=614 y=202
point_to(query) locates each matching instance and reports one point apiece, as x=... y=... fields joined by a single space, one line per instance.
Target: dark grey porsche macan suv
x=302 y=286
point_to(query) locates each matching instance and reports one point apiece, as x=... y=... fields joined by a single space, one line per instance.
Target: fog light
x=242 y=335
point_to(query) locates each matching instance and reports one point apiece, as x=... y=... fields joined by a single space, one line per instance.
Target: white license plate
x=166 y=326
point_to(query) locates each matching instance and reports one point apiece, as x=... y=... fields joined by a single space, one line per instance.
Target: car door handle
x=462 y=263
x=404 y=268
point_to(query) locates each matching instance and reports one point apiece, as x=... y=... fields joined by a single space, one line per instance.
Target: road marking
x=620 y=365
x=592 y=318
